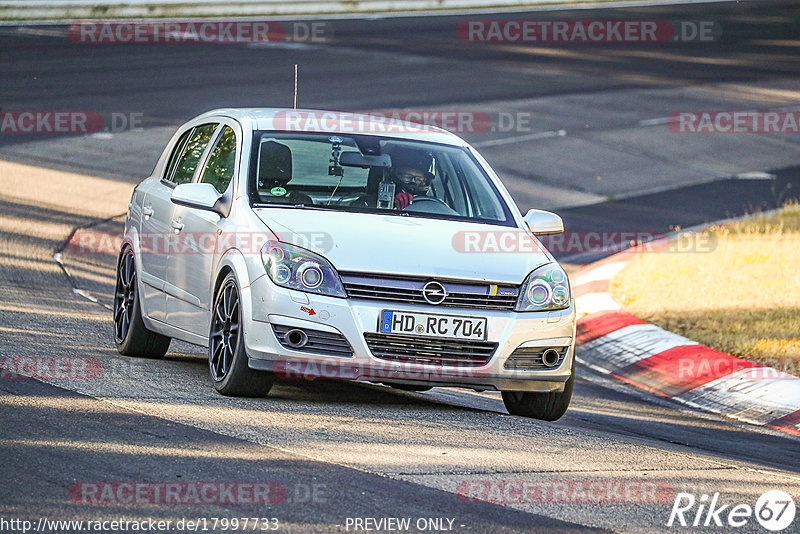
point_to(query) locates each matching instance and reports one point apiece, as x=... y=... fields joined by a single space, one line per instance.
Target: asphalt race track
x=579 y=128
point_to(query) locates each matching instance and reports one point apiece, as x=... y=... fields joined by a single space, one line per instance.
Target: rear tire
x=545 y=406
x=131 y=336
x=227 y=359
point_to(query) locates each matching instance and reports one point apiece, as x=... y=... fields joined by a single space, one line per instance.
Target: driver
x=411 y=174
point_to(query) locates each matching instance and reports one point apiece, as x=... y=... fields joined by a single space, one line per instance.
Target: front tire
x=131 y=336
x=227 y=359
x=545 y=406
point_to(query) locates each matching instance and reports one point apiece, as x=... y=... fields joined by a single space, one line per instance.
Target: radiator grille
x=428 y=351
x=481 y=295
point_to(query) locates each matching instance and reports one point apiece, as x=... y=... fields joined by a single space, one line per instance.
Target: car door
x=189 y=298
x=158 y=236
x=155 y=227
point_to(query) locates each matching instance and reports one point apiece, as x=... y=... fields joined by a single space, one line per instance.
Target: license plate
x=433 y=325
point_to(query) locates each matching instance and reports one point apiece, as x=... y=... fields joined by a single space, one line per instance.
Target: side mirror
x=543 y=222
x=199 y=196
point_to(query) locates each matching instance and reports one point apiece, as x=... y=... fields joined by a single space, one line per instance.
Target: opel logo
x=434 y=292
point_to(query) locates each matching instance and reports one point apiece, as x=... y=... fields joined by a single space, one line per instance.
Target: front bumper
x=352 y=318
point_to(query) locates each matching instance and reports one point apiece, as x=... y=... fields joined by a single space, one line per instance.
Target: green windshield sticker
x=277 y=192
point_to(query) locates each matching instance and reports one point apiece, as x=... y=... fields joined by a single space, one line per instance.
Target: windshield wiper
x=328 y=208
x=279 y=205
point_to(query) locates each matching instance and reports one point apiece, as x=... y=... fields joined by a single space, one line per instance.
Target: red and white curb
x=617 y=343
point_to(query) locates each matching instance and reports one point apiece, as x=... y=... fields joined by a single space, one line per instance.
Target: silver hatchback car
x=299 y=243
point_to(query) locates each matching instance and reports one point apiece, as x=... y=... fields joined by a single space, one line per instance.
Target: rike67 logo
x=774 y=510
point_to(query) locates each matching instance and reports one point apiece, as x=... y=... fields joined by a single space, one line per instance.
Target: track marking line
x=521 y=138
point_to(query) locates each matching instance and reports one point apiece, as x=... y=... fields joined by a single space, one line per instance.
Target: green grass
x=742 y=297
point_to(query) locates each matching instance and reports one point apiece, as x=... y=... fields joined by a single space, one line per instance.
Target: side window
x=176 y=152
x=221 y=163
x=191 y=154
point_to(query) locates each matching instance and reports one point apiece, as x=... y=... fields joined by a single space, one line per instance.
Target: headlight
x=297 y=268
x=546 y=288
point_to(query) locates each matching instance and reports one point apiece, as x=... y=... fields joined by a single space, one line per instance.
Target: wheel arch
x=131 y=240
x=221 y=275
x=233 y=261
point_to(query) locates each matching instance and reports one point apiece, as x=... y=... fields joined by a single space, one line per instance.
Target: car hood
x=391 y=244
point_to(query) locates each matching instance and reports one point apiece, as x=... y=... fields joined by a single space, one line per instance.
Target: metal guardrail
x=44 y=9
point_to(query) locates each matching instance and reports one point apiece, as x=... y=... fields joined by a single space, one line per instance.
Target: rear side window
x=221 y=163
x=190 y=157
x=176 y=152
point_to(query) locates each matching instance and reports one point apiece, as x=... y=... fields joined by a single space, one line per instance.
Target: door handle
x=147 y=211
x=177 y=225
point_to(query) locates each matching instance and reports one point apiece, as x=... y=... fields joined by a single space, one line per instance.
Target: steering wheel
x=425 y=204
x=346 y=200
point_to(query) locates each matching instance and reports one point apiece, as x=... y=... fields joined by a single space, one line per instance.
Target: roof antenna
x=295 y=86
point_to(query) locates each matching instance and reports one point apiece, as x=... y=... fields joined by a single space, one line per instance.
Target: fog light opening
x=296 y=338
x=550 y=357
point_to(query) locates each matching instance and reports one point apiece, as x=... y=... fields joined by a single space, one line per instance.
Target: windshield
x=372 y=174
